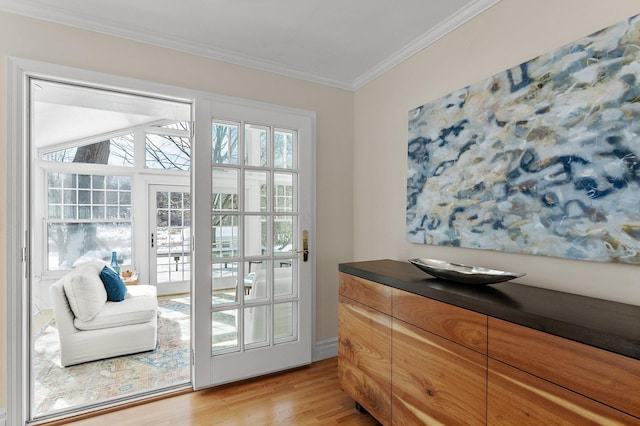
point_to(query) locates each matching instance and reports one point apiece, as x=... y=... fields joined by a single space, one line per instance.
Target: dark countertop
x=607 y=325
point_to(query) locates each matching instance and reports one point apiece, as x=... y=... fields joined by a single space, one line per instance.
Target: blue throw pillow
x=116 y=290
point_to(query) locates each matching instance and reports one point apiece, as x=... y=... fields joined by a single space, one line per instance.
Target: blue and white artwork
x=543 y=158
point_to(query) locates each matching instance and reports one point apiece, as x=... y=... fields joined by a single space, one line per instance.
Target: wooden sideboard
x=408 y=358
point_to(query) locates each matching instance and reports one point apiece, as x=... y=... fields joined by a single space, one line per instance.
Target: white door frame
x=17 y=213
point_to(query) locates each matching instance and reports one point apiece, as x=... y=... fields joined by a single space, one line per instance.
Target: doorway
x=97 y=156
x=248 y=261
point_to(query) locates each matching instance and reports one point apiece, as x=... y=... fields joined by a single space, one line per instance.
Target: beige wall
x=509 y=33
x=30 y=39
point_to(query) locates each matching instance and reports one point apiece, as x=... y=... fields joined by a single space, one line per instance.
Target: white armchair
x=92 y=328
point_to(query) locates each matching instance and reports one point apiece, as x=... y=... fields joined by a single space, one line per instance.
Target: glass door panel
x=170 y=229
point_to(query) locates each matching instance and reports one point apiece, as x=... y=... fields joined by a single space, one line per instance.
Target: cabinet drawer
x=598 y=374
x=451 y=322
x=519 y=398
x=436 y=381
x=367 y=292
x=364 y=357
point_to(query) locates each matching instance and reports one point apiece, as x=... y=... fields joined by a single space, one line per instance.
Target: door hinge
x=192 y=129
x=193 y=357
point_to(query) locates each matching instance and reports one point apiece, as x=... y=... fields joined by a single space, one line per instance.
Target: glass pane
x=283 y=320
x=255 y=236
x=71 y=244
x=84 y=197
x=112 y=213
x=70 y=196
x=225 y=189
x=255 y=191
x=168 y=152
x=255 y=280
x=162 y=200
x=70 y=212
x=173 y=255
x=283 y=149
x=283 y=232
x=84 y=181
x=283 y=200
x=117 y=151
x=255 y=326
x=98 y=197
x=176 y=200
x=54 y=196
x=225 y=143
x=162 y=218
x=255 y=145
x=224 y=330
x=225 y=283
x=224 y=234
x=283 y=278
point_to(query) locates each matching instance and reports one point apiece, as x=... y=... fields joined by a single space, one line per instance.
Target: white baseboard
x=324 y=349
x=3 y=416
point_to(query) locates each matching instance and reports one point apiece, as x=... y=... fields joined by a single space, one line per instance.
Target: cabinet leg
x=360 y=409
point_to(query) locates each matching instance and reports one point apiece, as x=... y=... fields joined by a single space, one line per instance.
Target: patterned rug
x=58 y=388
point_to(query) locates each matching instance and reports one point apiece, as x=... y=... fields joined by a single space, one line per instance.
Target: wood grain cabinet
x=536 y=375
x=364 y=344
x=410 y=360
x=439 y=368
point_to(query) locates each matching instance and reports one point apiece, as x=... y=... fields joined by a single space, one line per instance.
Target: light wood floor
x=305 y=396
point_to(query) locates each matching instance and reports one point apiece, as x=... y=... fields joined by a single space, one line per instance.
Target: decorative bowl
x=462 y=273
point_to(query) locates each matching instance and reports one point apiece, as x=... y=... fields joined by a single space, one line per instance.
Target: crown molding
x=56 y=15
x=445 y=27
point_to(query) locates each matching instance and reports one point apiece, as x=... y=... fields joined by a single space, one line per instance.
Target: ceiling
x=339 y=43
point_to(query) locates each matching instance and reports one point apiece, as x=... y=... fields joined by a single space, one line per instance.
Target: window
x=168 y=147
x=88 y=217
x=117 y=151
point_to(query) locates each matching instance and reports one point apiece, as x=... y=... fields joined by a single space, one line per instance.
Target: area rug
x=58 y=388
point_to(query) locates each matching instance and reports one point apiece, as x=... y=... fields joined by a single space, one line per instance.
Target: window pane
x=117 y=151
x=255 y=145
x=225 y=283
x=283 y=199
x=283 y=278
x=255 y=326
x=283 y=320
x=224 y=330
x=255 y=280
x=71 y=244
x=225 y=143
x=225 y=236
x=168 y=152
x=255 y=188
x=255 y=236
x=283 y=231
x=84 y=181
x=283 y=149
x=225 y=189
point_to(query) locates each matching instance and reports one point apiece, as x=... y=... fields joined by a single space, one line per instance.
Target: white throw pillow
x=85 y=292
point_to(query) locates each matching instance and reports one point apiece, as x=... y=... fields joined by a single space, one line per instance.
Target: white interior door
x=170 y=238
x=253 y=177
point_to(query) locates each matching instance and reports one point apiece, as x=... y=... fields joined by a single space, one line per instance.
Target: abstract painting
x=543 y=158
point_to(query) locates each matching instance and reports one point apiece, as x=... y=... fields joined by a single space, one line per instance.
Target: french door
x=253 y=212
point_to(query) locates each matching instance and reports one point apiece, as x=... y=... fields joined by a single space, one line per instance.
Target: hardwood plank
x=518 y=398
x=604 y=376
x=364 y=357
x=451 y=322
x=368 y=293
x=436 y=381
x=305 y=396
